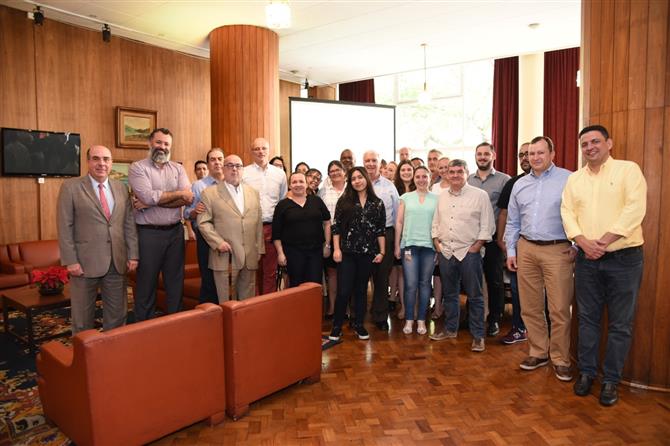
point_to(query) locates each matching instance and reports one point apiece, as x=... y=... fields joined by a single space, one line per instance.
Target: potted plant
x=51 y=281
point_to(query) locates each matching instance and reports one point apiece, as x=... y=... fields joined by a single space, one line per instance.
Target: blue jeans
x=469 y=271
x=517 y=322
x=612 y=281
x=417 y=271
x=353 y=273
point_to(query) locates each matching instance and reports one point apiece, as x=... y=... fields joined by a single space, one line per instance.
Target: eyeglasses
x=523 y=154
x=233 y=166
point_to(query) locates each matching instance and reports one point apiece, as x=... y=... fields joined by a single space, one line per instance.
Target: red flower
x=53 y=277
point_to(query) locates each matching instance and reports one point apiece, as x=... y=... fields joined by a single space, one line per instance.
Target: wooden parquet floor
x=407 y=390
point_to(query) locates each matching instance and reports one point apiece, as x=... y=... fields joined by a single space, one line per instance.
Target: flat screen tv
x=37 y=153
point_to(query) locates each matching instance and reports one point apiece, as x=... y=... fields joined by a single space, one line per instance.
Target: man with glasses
x=518 y=331
x=232 y=227
x=215 y=170
x=270 y=183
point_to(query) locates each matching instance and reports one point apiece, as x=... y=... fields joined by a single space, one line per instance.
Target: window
x=458 y=116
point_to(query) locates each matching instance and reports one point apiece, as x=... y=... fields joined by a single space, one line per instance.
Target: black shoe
x=328 y=317
x=335 y=334
x=392 y=305
x=383 y=325
x=361 y=332
x=608 y=394
x=493 y=330
x=583 y=385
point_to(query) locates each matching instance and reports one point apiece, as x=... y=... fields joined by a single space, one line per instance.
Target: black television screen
x=37 y=153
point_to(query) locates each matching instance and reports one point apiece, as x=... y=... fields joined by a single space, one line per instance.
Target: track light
x=106 y=33
x=38 y=16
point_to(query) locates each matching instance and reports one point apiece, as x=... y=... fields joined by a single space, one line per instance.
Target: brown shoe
x=532 y=363
x=563 y=372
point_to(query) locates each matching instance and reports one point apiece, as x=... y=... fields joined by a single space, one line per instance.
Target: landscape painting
x=133 y=126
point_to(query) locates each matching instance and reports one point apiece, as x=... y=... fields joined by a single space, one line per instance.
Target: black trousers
x=380 y=279
x=493 y=272
x=353 y=274
x=207 y=285
x=161 y=251
x=303 y=264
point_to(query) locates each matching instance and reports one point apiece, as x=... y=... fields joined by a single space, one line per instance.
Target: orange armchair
x=271 y=342
x=136 y=383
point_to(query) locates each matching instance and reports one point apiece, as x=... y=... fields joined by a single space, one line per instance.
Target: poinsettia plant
x=54 y=277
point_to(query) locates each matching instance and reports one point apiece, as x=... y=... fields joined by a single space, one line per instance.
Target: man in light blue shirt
x=215 y=167
x=388 y=193
x=539 y=250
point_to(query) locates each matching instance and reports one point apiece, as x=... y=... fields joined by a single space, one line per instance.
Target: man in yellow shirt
x=602 y=208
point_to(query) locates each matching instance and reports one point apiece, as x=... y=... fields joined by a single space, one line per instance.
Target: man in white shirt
x=462 y=223
x=270 y=182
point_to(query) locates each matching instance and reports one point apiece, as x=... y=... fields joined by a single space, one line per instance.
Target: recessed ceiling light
x=534 y=25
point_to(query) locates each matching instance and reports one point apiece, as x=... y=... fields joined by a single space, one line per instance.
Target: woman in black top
x=358 y=242
x=301 y=233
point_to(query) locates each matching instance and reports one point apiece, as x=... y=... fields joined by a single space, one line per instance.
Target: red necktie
x=103 y=201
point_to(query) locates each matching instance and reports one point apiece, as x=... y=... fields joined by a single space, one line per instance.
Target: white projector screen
x=321 y=129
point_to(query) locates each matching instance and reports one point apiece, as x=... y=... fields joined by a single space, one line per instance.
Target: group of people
x=558 y=233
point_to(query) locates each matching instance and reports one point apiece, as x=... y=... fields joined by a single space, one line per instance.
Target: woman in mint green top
x=414 y=246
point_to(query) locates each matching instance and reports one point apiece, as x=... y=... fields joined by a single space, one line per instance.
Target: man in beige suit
x=98 y=241
x=233 y=228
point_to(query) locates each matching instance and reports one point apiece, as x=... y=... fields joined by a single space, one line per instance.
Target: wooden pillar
x=244 y=78
x=626 y=88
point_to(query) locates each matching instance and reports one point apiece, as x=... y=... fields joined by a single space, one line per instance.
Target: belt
x=160 y=227
x=390 y=227
x=546 y=242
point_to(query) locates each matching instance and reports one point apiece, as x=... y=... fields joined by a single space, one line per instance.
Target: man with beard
x=492 y=182
x=518 y=331
x=347 y=159
x=161 y=188
x=214 y=167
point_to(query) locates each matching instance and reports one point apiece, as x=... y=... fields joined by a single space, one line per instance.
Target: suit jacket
x=84 y=234
x=223 y=221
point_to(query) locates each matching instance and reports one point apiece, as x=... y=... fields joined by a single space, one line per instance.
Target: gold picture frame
x=133 y=126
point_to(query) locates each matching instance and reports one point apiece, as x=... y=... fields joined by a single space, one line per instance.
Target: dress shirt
x=148 y=181
x=107 y=189
x=271 y=186
x=611 y=200
x=330 y=195
x=461 y=219
x=493 y=185
x=237 y=194
x=197 y=189
x=534 y=208
x=388 y=193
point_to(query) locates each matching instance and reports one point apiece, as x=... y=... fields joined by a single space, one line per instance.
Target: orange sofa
x=17 y=260
x=136 y=383
x=271 y=342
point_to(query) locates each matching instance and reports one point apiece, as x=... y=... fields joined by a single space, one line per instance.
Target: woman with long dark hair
x=358 y=242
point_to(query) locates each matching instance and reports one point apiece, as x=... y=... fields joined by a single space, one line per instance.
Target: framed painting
x=133 y=127
x=120 y=170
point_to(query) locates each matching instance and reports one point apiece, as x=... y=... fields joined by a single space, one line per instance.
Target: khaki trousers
x=244 y=284
x=546 y=267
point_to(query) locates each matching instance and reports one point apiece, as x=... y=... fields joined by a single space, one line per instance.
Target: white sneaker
x=407 y=329
x=421 y=327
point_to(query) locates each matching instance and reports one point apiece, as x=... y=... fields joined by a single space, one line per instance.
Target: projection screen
x=321 y=129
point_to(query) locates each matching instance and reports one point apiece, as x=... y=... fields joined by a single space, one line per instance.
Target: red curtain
x=561 y=104
x=361 y=91
x=505 y=131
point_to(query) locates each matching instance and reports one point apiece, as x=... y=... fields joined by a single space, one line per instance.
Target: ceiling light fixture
x=106 y=33
x=424 y=96
x=278 y=14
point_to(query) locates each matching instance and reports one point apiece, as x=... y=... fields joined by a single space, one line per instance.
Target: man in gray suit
x=98 y=241
x=232 y=226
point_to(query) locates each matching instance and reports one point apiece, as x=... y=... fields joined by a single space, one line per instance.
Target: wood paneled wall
x=244 y=63
x=627 y=89
x=63 y=78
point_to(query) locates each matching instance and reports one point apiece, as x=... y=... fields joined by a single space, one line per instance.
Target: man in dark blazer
x=98 y=241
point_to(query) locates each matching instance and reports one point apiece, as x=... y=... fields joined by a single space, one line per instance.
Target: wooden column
x=244 y=79
x=625 y=66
